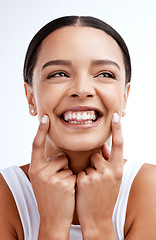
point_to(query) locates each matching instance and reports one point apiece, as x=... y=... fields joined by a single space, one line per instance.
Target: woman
x=77 y=78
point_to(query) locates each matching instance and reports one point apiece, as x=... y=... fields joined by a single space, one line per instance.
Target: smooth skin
x=141 y=206
x=94 y=186
x=72 y=166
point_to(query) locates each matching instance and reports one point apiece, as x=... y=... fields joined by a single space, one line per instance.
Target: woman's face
x=79 y=82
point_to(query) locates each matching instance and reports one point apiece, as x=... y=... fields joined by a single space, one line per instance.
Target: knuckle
x=54 y=180
x=95 y=178
x=42 y=175
x=32 y=172
x=117 y=126
x=39 y=176
x=94 y=156
x=65 y=160
x=68 y=171
x=82 y=181
x=36 y=144
x=66 y=186
x=102 y=169
x=118 y=143
x=108 y=174
x=119 y=174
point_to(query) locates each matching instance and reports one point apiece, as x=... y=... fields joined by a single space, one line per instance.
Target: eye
x=106 y=75
x=57 y=75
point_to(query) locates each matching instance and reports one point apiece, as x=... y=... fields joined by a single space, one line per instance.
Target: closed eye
x=106 y=75
x=57 y=75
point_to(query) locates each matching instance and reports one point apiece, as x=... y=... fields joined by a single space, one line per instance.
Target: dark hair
x=34 y=46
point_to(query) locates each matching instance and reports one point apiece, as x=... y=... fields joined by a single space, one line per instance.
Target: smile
x=80 y=117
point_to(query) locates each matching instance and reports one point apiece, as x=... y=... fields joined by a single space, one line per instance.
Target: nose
x=82 y=88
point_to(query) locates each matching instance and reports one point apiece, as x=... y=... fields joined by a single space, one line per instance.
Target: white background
x=135 y=20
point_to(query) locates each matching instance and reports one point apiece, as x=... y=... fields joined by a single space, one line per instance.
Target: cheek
x=47 y=99
x=112 y=98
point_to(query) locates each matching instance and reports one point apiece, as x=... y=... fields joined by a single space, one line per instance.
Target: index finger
x=116 y=155
x=38 y=147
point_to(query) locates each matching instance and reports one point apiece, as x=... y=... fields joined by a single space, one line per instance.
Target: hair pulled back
x=86 y=21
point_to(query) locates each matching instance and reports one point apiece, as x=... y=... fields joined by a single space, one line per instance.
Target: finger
x=72 y=181
x=81 y=177
x=69 y=183
x=55 y=156
x=38 y=148
x=81 y=174
x=98 y=162
x=90 y=171
x=64 y=174
x=105 y=152
x=58 y=164
x=116 y=155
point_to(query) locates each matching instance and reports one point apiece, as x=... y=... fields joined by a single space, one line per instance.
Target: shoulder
x=10 y=224
x=141 y=208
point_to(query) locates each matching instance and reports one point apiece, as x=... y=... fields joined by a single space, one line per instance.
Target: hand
x=98 y=188
x=53 y=185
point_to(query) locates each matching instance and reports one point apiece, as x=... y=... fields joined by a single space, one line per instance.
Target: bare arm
x=141 y=211
x=10 y=224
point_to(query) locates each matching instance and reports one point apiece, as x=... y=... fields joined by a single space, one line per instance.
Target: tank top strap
x=131 y=168
x=25 y=200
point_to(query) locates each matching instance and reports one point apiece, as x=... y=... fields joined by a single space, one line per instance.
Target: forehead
x=80 y=43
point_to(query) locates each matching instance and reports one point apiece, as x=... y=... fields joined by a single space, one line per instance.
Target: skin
x=85 y=86
x=77 y=175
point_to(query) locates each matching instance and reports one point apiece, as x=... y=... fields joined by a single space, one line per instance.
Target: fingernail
x=44 y=119
x=115 y=118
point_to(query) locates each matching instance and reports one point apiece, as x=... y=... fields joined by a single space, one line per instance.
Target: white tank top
x=26 y=203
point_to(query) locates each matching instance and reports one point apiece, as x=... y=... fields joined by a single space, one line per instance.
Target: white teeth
x=80 y=115
x=75 y=122
x=70 y=116
x=84 y=115
x=74 y=115
x=65 y=117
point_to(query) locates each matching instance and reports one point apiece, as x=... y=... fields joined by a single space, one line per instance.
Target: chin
x=82 y=148
x=79 y=141
x=82 y=145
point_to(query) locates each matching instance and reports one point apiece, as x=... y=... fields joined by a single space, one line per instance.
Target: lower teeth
x=75 y=122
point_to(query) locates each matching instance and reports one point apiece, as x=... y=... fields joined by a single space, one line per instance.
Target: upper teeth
x=80 y=115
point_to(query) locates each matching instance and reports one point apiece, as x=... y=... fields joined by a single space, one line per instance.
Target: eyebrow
x=57 y=62
x=104 y=62
x=93 y=62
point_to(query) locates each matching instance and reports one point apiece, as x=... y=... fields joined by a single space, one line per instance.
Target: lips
x=81 y=115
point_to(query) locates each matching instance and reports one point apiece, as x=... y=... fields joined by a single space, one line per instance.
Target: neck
x=79 y=161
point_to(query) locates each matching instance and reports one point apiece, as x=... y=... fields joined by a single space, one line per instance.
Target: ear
x=126 y=94
x=30 y=98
